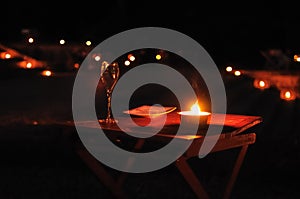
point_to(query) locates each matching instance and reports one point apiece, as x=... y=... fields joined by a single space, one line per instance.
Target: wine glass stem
x=108 y=93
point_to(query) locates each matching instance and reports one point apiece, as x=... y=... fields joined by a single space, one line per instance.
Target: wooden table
x=235 y=135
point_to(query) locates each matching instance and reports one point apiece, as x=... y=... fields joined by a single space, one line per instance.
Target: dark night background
x=35 y=163
x=226 y=30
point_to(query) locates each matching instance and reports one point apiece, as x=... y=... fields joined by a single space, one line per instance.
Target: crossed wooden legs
x=196 y=185
x=115 y=185
x=102 y=174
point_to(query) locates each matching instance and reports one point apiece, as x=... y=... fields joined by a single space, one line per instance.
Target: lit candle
x=195 y=115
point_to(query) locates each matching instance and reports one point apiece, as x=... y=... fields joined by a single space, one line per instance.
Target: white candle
x=195 y=115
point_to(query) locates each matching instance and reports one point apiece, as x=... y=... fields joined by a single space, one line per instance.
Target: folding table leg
x=101 y=173
x=191 y=178
x=235 y=172
x=123 y=176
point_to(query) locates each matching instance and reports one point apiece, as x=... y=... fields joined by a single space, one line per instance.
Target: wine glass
x=109 y=78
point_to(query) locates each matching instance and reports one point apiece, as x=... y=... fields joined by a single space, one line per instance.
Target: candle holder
x=190 y=117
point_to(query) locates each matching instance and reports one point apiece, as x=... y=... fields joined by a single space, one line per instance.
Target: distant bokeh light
x=131 y=57
x=88 y=43
x=47 y=73
x=237 y=73
x=228 y=68
x=127 y=63
x=76 y=65
x=297 y=58
x=62 y=41
x=30 y=40
x=287 y=95
x=261 y=84
x=97 y=58
x=29 y=65
x=7 y=56
x=158 y=57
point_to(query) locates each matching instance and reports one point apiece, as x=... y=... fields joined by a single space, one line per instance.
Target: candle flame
x=195 y=108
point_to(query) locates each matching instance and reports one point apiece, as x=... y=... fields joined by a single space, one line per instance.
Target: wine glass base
x=108 y=121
